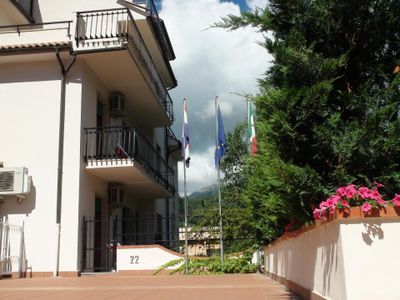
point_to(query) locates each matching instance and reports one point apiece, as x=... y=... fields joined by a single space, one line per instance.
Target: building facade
x=85 y=107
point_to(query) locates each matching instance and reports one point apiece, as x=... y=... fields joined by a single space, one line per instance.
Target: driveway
x=195 y=287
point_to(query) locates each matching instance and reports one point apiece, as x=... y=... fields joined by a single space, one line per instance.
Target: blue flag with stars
x=221 y=142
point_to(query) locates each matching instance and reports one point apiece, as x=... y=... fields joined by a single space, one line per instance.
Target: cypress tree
x=328 y=110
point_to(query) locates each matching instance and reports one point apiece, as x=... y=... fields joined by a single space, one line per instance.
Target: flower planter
x=383 y=212
x=356 y=212
x=348 y=213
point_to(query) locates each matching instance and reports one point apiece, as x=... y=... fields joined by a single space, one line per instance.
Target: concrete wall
x=29 y=122
x=344 y=259
x=71 y=171
x=30 y=94
x=151 y=257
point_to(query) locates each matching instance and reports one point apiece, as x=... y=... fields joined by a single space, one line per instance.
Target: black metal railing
x=100 y=238
x=149 y=4
x=20 y=28
x=127 y=143
x=172 y=135
x=118 y=26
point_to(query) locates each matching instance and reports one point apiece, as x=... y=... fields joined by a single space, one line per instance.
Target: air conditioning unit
x=14 y=181
x=116 y=105
x=116 y=196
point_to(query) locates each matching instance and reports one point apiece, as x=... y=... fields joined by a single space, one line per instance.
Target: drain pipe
x=64 y=72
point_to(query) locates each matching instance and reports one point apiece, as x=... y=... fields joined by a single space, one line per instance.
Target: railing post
x=76 y=30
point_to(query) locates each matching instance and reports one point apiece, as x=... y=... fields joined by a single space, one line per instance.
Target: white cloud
x=208 y=112
x=210 y=62
x=201 y=172
x=253 y=4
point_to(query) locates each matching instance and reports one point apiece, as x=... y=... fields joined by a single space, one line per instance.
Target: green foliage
x=169 y=264
x=329 y=109
x=238 y=263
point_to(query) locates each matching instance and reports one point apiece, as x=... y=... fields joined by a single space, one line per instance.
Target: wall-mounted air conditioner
x=116 y=105
x=14 y=181
x=116 y=195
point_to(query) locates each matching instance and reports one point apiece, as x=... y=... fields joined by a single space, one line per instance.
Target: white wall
x=29 y=122
x=71 y=171
x=90 y=186
x=348 y=259
x=135 y=258
x=57 y=10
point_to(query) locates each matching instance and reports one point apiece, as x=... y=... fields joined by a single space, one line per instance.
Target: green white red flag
x=251 y=129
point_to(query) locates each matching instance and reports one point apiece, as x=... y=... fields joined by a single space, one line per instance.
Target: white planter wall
x=344 y=259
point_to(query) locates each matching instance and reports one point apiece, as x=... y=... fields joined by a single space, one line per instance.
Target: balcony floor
x=130 y=174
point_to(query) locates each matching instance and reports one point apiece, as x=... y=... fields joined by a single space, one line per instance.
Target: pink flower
x=377 y=197
x=332 y=201
x=345 y=203
x=341 y=191
x=350 y=191
x=364 y=192
x=378 y=185
x=323 y=205
x=317 y=214
x=288 y=227
x=396 y=200
x=366 y=207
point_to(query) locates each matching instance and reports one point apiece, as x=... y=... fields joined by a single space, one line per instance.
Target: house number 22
x=134 y=259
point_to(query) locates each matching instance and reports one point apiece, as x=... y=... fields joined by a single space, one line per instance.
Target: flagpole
x=186 y=225
x=248 y=124
x=185 y=140
x=219 y=186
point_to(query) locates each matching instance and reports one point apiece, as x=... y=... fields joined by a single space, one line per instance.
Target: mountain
x=204 y=192
x=201 y=201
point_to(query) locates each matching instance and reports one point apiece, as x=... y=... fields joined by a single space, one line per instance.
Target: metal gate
x=98 y=252
x=100 y=238
x=12 y=254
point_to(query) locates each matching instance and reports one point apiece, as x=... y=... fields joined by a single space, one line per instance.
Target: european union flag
x=221 y=142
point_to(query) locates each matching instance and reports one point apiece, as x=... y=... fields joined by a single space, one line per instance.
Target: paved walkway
x=212 y=287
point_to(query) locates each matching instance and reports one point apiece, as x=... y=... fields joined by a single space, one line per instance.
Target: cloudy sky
x=209 y=63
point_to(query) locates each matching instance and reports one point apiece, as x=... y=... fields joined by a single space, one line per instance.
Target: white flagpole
x=185 y=191
x=186 y=225
x=219 y=186
x=248 y=124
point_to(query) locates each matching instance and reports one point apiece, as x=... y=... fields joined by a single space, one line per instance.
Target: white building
x=84 y=106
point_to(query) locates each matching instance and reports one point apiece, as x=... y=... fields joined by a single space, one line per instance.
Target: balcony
x=110 y=43
x=160 y=29
x=174 y=146
x=124 y=155
x=155 y=35
x=39 y=36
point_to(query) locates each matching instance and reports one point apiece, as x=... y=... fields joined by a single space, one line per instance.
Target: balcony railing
x=14 y=36
x=117 y=27
x=127 y=143
x=149 y=4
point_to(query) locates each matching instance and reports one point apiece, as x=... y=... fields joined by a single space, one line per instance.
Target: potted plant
x=352 y=202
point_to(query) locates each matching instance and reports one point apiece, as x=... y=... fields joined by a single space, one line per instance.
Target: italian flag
x=251 y=129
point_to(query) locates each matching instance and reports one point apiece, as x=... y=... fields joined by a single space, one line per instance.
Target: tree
x=329 y=107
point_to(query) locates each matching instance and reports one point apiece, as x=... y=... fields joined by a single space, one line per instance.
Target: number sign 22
x=134 y=259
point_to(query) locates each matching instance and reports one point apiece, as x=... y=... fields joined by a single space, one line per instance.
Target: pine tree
x=329 y=109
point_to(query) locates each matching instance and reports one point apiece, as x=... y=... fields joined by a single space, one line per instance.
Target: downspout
x=64 y=72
